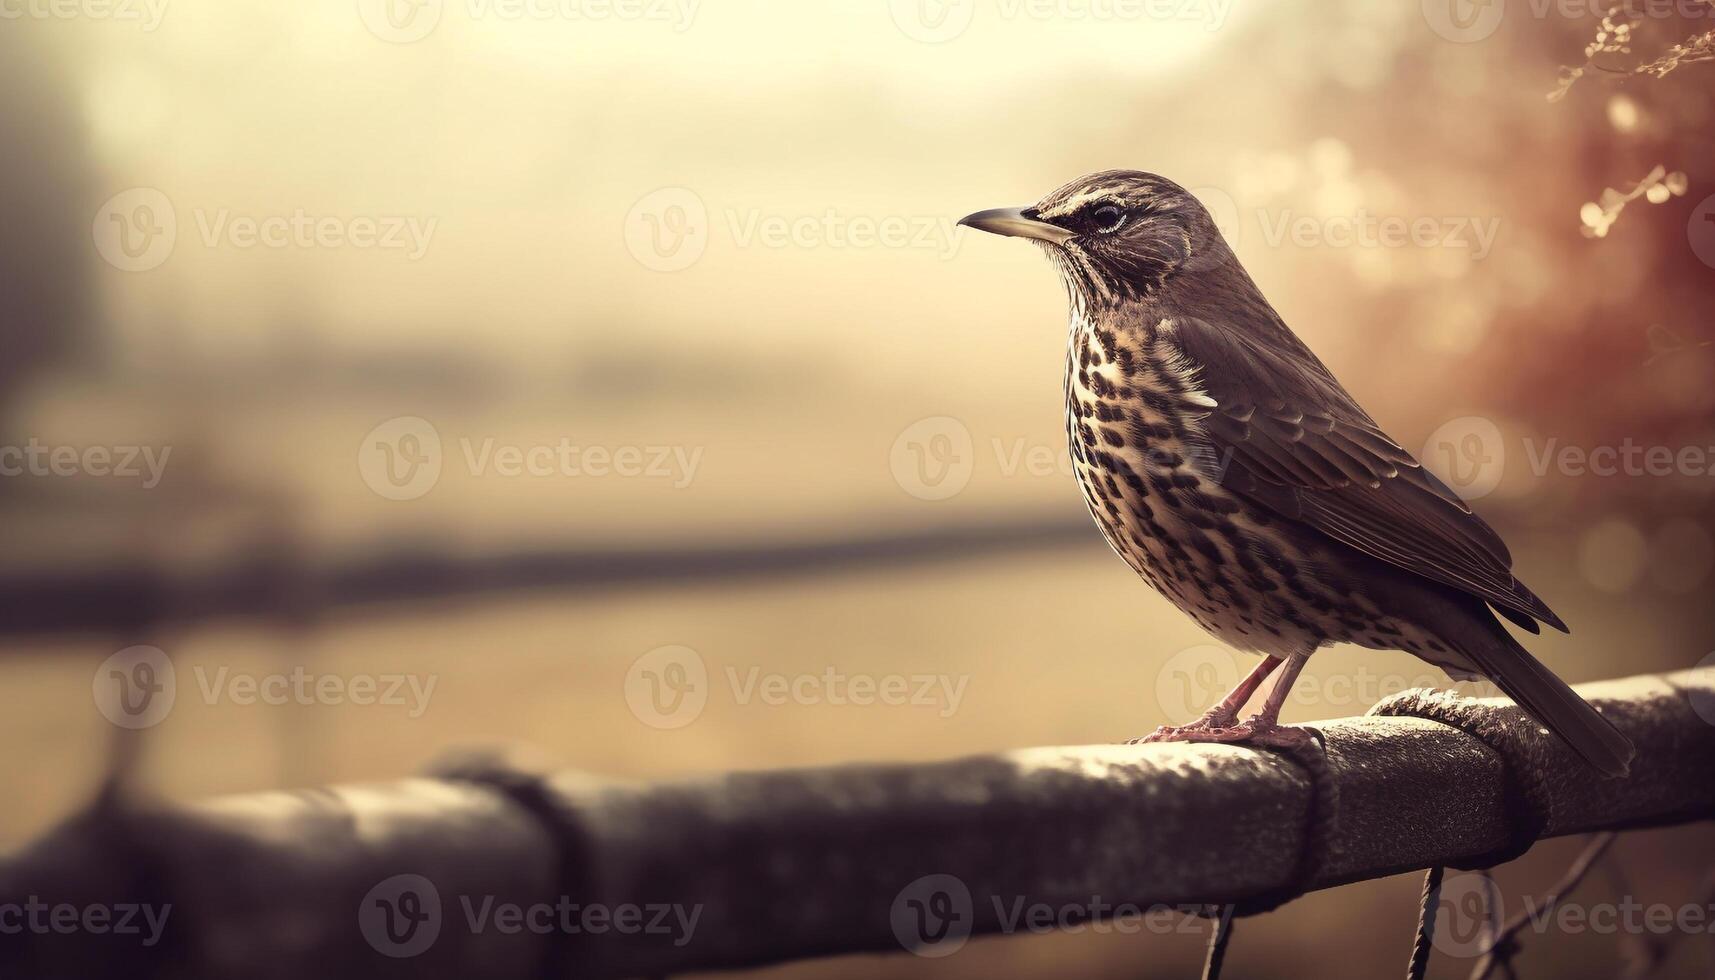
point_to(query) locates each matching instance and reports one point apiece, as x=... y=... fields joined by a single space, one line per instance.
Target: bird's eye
x=1108 y=218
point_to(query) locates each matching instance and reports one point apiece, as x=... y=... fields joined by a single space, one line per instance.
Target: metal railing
x=450 y=875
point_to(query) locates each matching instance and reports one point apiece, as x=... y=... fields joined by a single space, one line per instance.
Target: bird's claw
x=1252 y=731
x=1200 y=730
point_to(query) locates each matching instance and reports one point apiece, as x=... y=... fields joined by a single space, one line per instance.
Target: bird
x=1228 y=467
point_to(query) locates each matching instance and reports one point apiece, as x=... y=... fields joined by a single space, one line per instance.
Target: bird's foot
x=1200 y=730
x=1252 y=731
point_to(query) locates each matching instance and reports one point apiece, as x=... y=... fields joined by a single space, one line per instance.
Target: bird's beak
x=1016 y=223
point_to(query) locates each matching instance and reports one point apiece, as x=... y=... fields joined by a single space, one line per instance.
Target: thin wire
x=1218 y=940
x=1419 y=967
x=1503 y=946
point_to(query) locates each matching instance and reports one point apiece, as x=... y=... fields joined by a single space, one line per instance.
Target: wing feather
x=1291 y=438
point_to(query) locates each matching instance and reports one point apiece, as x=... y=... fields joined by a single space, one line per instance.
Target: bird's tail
x=1549 y=700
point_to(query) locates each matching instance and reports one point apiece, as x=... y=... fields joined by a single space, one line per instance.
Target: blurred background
x=505 y=372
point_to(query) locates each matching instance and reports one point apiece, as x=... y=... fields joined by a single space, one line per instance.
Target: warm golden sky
x=519 y=147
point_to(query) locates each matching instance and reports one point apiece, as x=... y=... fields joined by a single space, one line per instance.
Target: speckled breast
x=1134 y=408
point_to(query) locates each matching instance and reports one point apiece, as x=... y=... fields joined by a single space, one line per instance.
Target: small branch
x=1615 y=35
x=1657 y=187
x=1504 y=945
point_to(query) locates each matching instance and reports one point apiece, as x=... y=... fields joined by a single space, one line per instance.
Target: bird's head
x=1117 y=236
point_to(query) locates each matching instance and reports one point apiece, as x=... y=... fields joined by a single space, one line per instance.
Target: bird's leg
x=1226 y=712
x=1265 y=728
x=1222 y=715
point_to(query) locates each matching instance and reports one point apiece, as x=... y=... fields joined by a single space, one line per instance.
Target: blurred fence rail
x=790 y=864
x=274 y=581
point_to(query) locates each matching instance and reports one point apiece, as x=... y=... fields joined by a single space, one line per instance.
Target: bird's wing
x=1291 y=438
